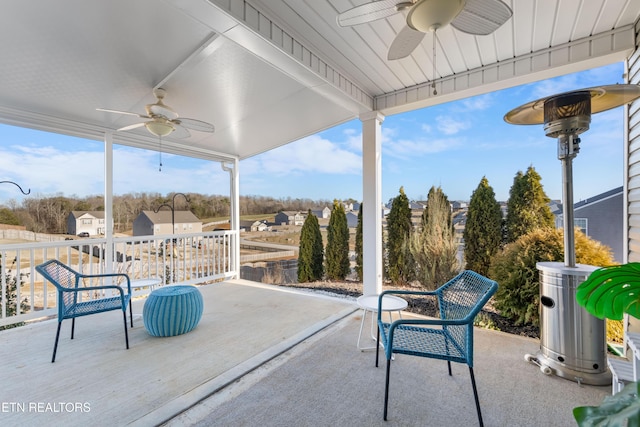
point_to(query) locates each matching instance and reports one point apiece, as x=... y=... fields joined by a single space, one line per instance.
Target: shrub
x=11 y=302
x=514 y=268
x=337 y=249
x=399 y=264
x=311 y=252
x=433 y=248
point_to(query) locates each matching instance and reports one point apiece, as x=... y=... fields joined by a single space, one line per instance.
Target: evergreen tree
x=311 y=253
x=433 y=248
x=528 y=206
x=359 y=245
x=399 y=226
x=337 y=251
x=8 y=217
x=483 y=229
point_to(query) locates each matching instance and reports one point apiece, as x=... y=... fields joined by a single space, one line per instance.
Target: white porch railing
x=185 y=259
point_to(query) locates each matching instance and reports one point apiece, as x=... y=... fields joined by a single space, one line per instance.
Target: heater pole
x=567 y=150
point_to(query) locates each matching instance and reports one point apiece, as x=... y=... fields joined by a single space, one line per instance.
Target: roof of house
x=290 y=213
x=95 y=214
x=164 y=217
x=591 y=200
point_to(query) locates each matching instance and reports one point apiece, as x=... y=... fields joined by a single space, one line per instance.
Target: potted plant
x=610 y=292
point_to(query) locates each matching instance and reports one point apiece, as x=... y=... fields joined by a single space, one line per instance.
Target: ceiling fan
x=162 y=120
x=477 y=17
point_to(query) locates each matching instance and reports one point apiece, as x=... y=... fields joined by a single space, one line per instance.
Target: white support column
x=108 y=201
x=234 y=199
x=372 y=202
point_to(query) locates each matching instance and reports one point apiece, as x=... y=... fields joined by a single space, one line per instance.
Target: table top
x=168 y=291
x=389 y=303
x=141 y=283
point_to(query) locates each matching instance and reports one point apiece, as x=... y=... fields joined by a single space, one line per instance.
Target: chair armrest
x=93 y=276
x=97 y=288
x=402 y=292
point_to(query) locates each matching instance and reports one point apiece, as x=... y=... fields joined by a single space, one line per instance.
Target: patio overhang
x=269 y=72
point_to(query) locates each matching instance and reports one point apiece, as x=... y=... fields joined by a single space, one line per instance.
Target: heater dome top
x=602 y=98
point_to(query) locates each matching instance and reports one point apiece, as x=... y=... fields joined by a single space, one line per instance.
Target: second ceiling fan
x=161 y=120
x=476 y=17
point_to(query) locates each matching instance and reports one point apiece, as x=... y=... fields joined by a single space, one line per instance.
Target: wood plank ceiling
x=268 y=72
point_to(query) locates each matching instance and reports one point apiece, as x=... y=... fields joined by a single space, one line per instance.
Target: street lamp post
x=173 y=227
x=173 y=208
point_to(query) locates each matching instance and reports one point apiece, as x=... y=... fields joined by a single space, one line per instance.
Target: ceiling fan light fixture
x=159 y=127
x=426 y=15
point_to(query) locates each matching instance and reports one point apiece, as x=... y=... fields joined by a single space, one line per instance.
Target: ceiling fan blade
x=130 y=127
x=123 y=112
x=162 y=110
x=194 y=124
x=180 y=131
x=404 y=43
x=481 y=17
x=368 y=12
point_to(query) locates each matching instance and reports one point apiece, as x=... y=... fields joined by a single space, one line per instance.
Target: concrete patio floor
x=266 y=356
x=327 y=381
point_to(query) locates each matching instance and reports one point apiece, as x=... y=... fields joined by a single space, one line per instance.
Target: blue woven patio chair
x=448 y=338
x=71 y=305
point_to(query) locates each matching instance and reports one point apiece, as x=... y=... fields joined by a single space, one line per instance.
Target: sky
x=451 y=145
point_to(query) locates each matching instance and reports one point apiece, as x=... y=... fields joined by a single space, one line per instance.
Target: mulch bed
x=489 y=317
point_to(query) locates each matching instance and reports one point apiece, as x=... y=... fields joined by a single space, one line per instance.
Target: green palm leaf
x=609 y=292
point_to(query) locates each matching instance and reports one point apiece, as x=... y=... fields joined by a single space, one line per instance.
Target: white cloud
x=412 y=149
x=554 y=86
x=48 y=170
x=476 y=103
x=450 y=126
x=312 y=154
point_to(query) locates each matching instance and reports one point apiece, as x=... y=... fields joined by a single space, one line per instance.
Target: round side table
x=172 y=310
x=369 y=303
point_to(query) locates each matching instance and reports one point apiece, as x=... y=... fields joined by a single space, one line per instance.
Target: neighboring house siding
x=352 y=219
x=289 y=218
x=604 y=222
x=91 y=222
x=632 y=171
x=149 y=223
x=633 y=161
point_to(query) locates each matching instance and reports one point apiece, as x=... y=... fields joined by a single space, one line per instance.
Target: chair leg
x=55 y=346
x=126 y=334
x=449 y=365
x=475 y=395
x=386 y=389
x=377 y=346
x=73 y=326
x=131 y=313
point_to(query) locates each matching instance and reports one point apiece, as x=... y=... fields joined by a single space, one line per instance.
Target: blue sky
x=451 y=145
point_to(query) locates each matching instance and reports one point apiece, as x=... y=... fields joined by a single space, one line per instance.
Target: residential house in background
x=250 y=225
x=289 y=218
x=457 y=205
x=83 y=222
x=600 y=217
x=322 y=213
x=352 y=219
x=150 y=223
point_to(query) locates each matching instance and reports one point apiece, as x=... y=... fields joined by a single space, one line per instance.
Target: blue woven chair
x=70 y=303
x=448 y=338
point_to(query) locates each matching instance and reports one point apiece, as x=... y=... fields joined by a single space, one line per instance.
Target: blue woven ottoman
x=172 y=310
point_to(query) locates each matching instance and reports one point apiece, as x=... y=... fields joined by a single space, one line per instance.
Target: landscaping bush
x=514 y=268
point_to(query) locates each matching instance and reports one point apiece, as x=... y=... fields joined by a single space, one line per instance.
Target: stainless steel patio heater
x=572 y=341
